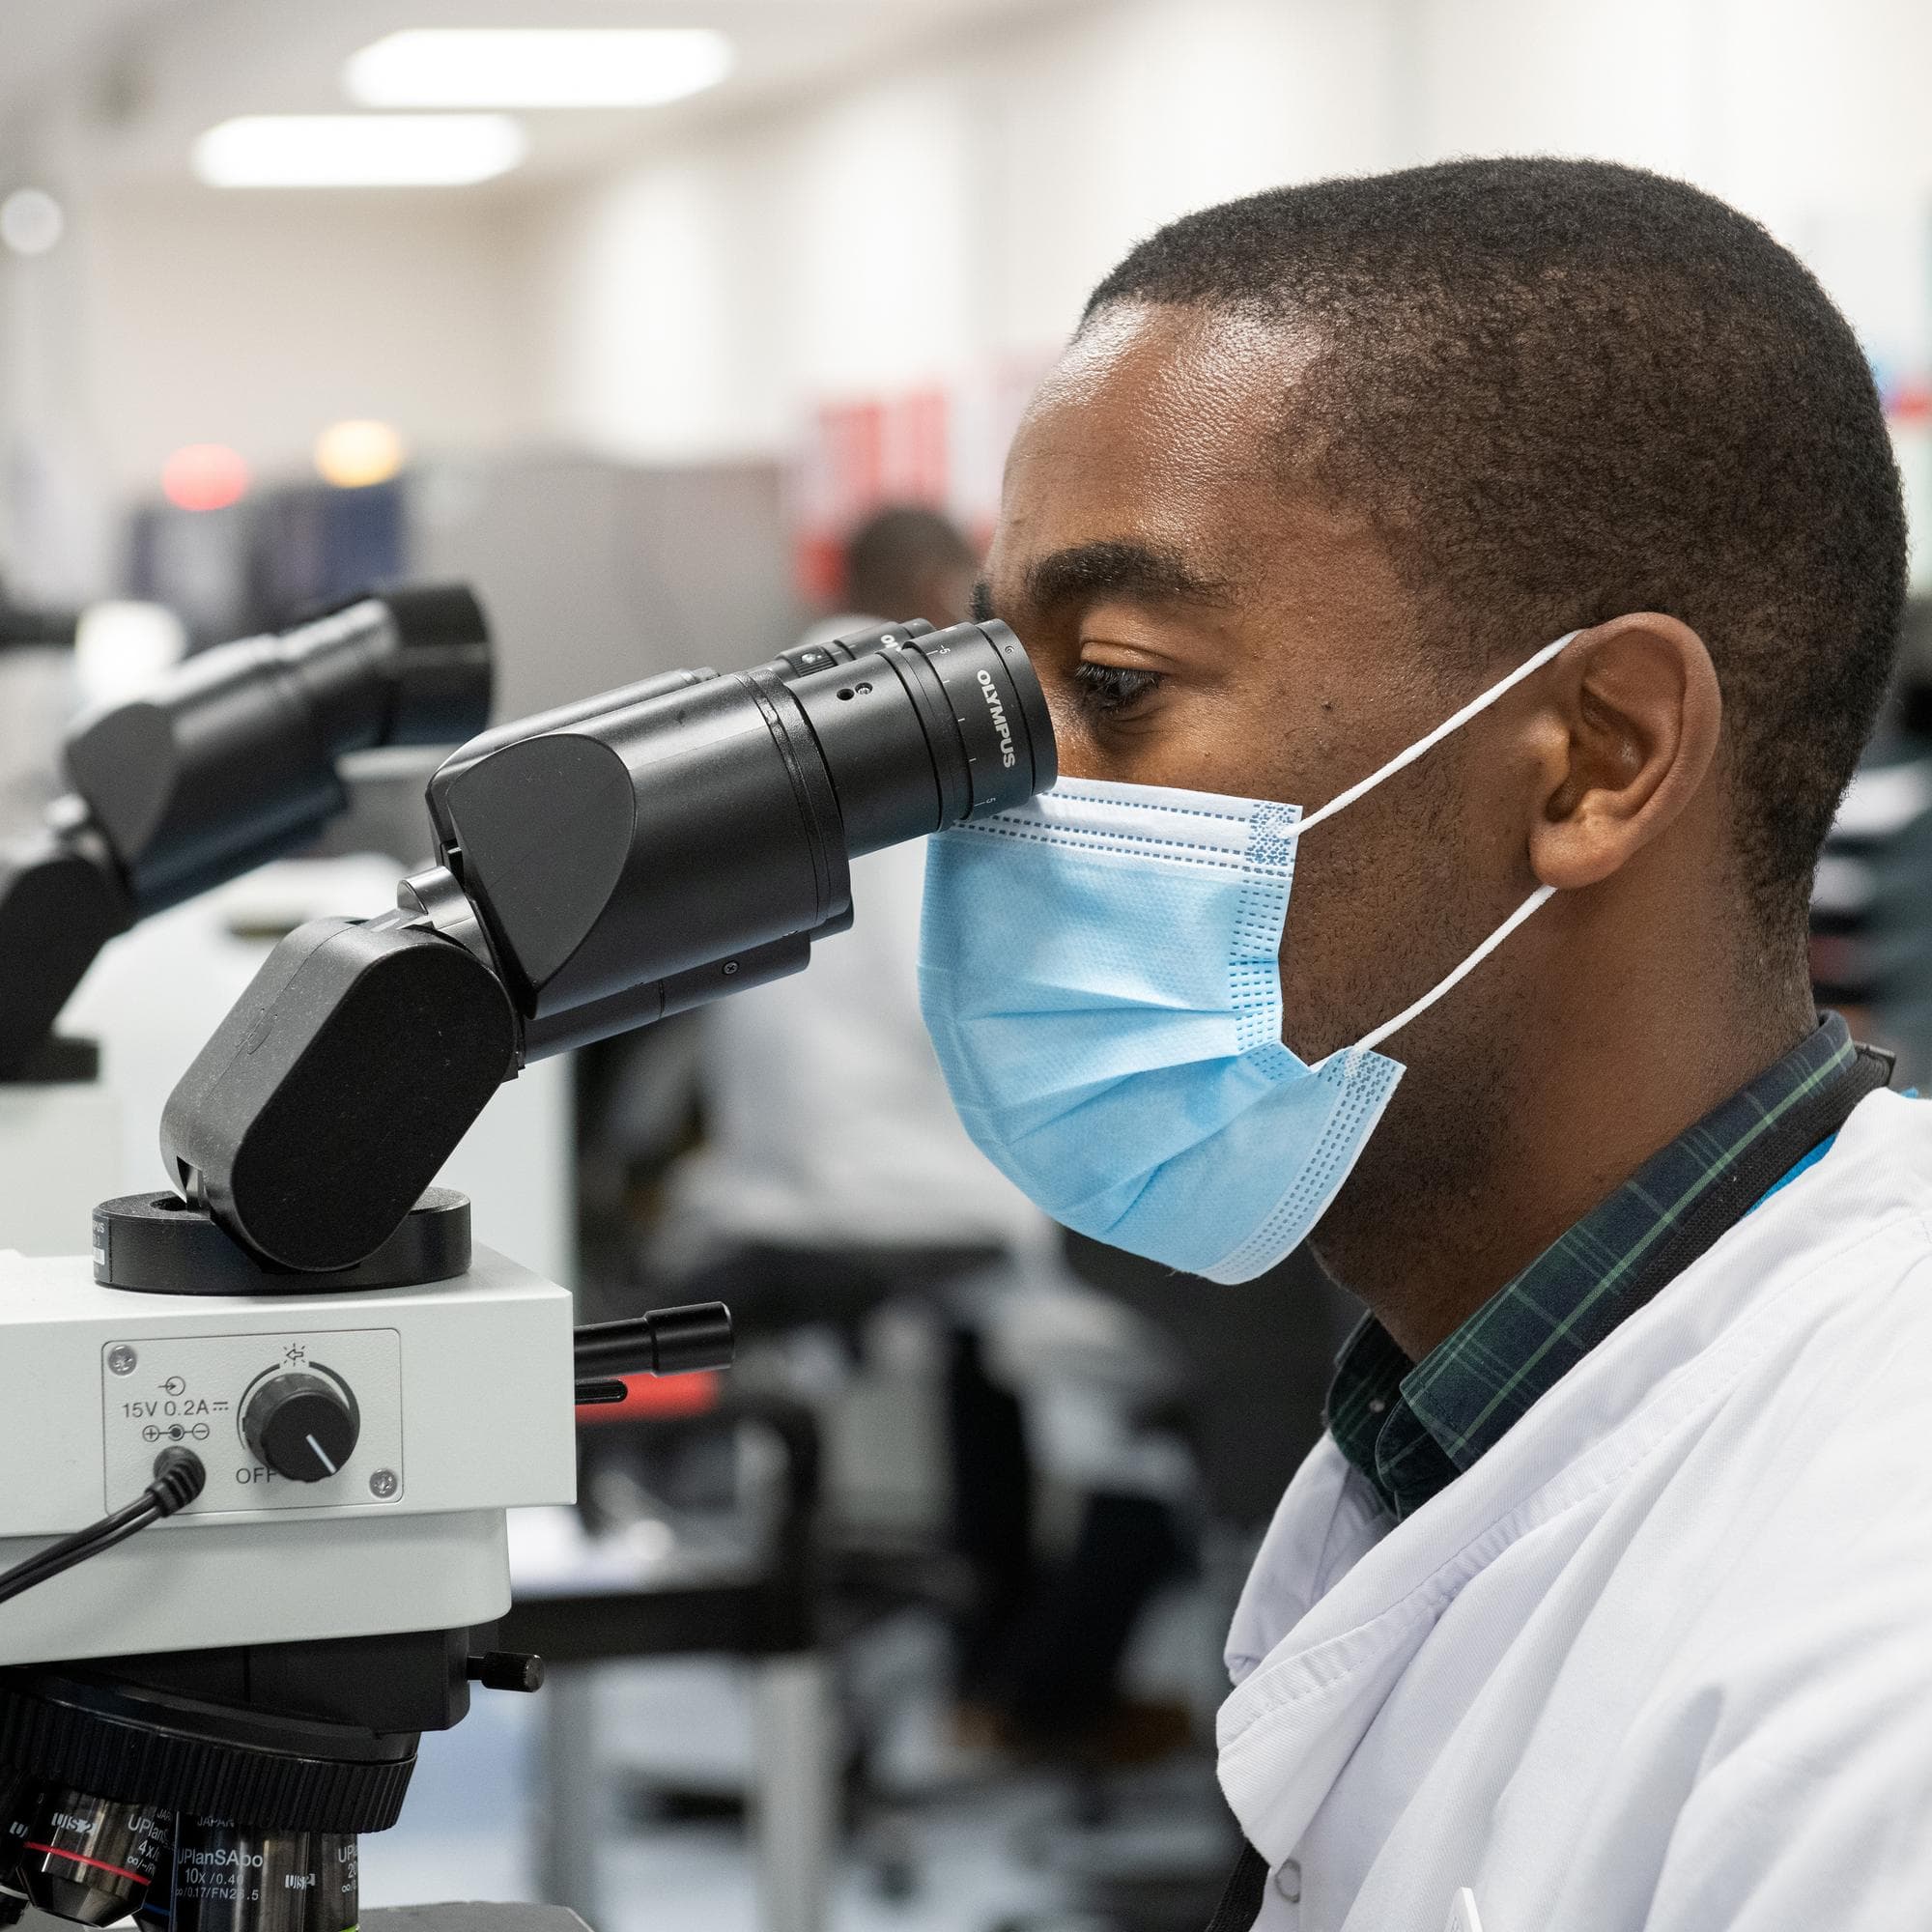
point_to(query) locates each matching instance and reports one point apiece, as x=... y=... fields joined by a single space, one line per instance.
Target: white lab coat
x=1663 y=1658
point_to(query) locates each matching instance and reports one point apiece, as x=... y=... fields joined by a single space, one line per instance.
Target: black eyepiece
x=920 y=729
x=442 y=674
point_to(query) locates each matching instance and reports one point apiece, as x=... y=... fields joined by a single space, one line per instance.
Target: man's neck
x=1424 y=1241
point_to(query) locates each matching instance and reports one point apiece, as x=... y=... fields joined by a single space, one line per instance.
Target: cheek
x=1388 y=898
x=1073 y=743
x=1330 y=946
x=1178 y=759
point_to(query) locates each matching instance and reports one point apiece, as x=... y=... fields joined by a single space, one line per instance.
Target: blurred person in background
x=904 y=561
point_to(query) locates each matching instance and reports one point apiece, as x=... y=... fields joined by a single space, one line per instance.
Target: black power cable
x=178 y=1476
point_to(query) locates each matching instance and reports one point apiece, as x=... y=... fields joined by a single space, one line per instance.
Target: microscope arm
x=342 y=1080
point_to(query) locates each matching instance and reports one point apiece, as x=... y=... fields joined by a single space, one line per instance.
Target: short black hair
x=889 y=555
x=1567 y=389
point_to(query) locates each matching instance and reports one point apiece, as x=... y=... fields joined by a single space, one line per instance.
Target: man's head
x=1321 y=465
x=907 y=561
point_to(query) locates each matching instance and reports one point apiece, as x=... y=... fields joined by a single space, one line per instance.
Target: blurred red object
x=205 y=476
x=694 y=1394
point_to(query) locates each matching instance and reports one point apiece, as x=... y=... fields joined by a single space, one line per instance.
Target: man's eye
x=1109 y=690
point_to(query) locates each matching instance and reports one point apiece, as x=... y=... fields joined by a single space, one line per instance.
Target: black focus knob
x=303 y=1425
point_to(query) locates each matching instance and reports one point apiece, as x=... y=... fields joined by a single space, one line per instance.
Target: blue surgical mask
x=1099 y=972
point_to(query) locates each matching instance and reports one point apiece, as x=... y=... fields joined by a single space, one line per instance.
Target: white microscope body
x=461 y=1394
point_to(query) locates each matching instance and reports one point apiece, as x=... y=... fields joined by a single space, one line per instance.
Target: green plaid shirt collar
x=1412 y=1430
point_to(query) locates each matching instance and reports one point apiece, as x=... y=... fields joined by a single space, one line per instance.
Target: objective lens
x=231 y=1878
x=90 y=1858
x=338 y=1871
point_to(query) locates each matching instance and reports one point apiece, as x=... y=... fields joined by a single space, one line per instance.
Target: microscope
x=231 y=760
x=294 y=1365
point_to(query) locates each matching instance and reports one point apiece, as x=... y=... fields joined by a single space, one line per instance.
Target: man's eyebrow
x=1137 y=572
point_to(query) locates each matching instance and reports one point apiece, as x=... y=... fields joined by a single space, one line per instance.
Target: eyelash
x=1109 y=690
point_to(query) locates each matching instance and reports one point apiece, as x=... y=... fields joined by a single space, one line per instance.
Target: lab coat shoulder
x=1662 y=1659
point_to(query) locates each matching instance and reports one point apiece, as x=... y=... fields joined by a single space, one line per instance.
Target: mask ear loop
x=1369 y=1041
x=1436 y=736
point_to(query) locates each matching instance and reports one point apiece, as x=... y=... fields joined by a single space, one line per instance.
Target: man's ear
x=1625 y=735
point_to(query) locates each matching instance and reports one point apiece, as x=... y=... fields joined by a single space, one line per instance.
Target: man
x=1607 y=1601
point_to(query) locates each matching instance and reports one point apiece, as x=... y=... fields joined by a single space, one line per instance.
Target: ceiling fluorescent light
x=537 y=67
x=358 y=150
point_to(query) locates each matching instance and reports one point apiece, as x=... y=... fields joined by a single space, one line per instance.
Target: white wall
x=911 y=227
x=687 y=304
x=956 y=211
x=257 y=320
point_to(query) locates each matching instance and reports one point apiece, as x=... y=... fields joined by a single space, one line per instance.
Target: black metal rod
x=668 y=1341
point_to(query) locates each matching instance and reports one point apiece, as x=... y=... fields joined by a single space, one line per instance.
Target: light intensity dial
x=302 y=1424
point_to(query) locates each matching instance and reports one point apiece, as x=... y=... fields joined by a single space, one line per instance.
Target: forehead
x=1160 y=426
x=1172 y=429
x=1173 y=398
